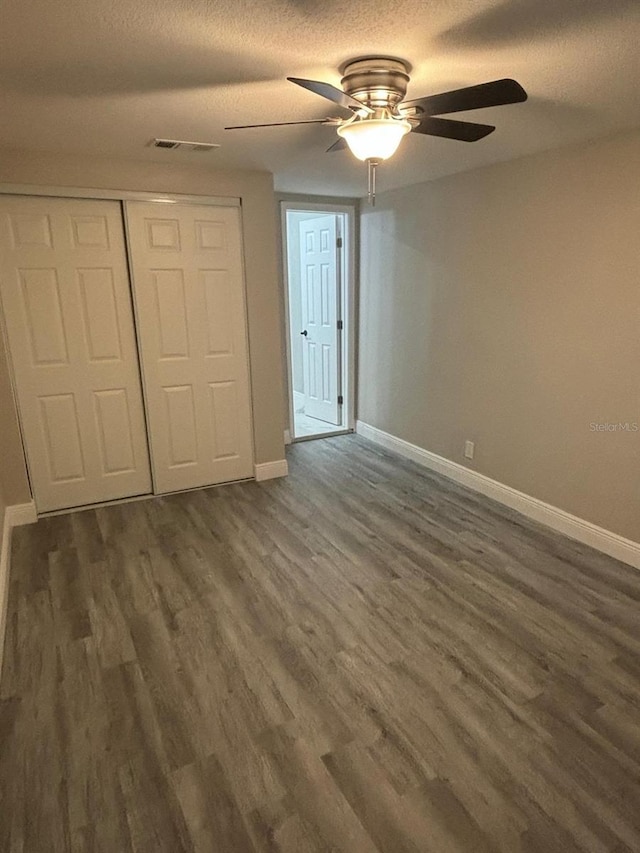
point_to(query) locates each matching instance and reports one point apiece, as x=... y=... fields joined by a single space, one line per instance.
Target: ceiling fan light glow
x=374 y=139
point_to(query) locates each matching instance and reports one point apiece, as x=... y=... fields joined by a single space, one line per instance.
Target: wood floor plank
x=362 y=657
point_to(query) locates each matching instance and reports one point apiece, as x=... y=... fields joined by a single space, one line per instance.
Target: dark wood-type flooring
x=360 y=657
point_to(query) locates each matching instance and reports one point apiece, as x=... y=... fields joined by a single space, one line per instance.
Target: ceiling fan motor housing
x=379 y=82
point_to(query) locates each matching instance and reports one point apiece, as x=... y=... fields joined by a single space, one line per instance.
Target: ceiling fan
x=373 y=89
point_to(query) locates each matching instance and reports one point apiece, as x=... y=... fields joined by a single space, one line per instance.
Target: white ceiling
x=105 y=76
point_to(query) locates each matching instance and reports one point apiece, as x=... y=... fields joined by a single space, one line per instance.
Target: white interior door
x=189 y=292
x=69 y=321
x=320 y=283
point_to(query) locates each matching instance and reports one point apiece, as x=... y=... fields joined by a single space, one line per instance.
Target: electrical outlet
x=469 y=449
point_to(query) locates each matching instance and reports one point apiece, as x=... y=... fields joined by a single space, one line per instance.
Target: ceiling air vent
x=183 y=143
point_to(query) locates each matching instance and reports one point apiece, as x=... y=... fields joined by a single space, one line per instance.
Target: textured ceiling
x=105 y=76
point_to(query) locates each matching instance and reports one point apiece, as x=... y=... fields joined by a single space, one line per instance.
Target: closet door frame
x=117 y=195
x=91 y=193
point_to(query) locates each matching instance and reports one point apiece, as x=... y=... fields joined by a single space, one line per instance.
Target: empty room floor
x=359 y=657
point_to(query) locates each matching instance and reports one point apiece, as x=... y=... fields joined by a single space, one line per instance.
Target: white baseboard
x=270 y=470
x=557 y=519
x=20 y=514
x=14 y=516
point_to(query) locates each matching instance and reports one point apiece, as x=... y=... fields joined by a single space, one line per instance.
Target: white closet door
x=189 y=292
x=69 y=322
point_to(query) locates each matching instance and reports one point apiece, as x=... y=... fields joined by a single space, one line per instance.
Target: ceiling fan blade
x=281 y=124
x=326 y=90
x=338 y=145
x=493 y=94
x=465 y=131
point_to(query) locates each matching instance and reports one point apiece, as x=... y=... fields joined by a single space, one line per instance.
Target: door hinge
x=339 y=242
x=339 y=325
x=340 y=400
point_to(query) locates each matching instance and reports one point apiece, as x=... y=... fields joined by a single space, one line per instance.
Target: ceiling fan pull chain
x=371 y=174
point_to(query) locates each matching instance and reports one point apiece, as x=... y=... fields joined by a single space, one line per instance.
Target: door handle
x=305 y=333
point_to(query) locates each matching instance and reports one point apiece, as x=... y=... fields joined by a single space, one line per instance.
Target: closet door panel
x=69 y=323
x=189 y=292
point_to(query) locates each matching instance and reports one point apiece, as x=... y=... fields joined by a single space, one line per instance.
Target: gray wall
x=503 y=305
x=263 y=288
x=14 y=485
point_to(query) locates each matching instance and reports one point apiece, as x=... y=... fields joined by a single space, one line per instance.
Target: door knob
x=305 y=333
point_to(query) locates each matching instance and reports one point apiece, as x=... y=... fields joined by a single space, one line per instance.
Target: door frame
x=346 y=311
x=116 y=195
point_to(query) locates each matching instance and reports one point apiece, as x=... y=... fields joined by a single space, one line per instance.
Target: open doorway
x=318 y=265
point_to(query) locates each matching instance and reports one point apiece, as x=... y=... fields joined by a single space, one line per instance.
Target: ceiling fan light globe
x=374 y=139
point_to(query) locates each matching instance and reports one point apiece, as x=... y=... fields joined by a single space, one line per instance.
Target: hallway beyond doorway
x=304 y=425
x=318 y=266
